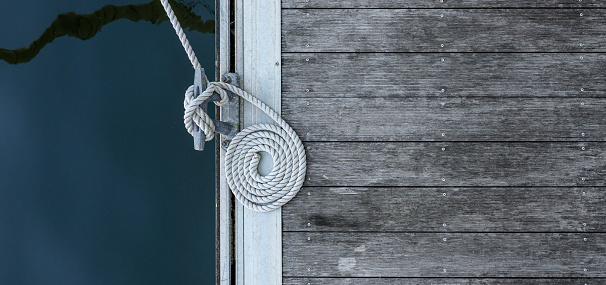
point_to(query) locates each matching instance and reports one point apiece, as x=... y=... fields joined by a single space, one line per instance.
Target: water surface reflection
x=99 y=183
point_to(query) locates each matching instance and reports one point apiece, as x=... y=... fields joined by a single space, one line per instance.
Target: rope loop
x=256 y=192
x=195 y=116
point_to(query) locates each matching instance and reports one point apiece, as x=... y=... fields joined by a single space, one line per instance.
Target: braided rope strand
x=184 y=42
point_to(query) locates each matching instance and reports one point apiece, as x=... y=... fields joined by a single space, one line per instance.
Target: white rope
x=180 y=33
x=256 y=192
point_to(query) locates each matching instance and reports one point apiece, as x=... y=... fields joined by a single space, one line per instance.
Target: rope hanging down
x=256 y=192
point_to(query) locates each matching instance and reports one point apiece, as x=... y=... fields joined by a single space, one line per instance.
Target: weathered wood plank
x=556 y=209
x=464 y=119
x=396 y=75
x=286 y=4
x=440 y=281
x=459 y=164
x=443 y=30
x=444 y=254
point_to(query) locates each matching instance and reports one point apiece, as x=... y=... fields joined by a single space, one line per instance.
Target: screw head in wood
x=585 y=239
x=309 y=224
x=583 y=148
x=444 y=194
x=307 y=59
x=584 y=224
x=441 y=59
x=306 y=90
x=441 y=45
x=307 y=45
x=444 y=239
x=443 y=134
x=581 y=14
x=582 y=89
x=308 y=238
x=443 y=149
x=443 y=225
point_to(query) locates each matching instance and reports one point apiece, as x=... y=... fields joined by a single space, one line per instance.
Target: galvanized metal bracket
x=227 y=129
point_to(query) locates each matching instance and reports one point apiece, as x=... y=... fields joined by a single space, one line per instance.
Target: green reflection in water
x=87 y=26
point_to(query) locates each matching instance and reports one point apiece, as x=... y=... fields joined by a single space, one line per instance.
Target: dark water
x=99 y=183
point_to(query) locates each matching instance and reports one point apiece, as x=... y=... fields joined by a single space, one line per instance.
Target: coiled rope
x=256 y=192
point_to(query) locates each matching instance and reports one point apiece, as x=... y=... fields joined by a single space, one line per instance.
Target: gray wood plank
x=443 y=254
x=440 y=209
x=458 y=30
x=286 y=4
x=458 y=164
x=396 y=75
x=440 y=281
x=464 y=119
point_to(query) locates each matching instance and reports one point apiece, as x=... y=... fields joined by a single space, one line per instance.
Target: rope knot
x=194 y=116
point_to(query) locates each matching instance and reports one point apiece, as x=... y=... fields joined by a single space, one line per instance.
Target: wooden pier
x=448 y=142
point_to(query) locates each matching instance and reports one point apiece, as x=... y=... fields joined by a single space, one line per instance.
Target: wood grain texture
x=459 y=164
x=458 y=30
x=286 y=4
x=440 y=281
x=441 y=209
x=397 y=75
x=444 y=254
x=464 y=119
